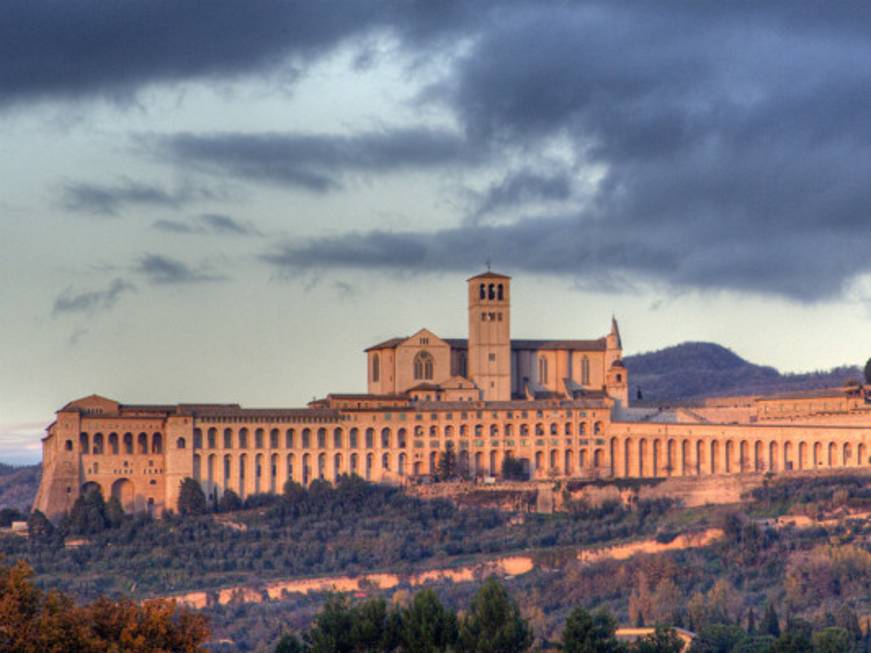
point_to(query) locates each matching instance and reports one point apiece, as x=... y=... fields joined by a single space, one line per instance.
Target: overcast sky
x=229 y=202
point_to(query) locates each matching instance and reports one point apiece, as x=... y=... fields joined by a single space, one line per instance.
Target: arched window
x=243 y=438
x=128 y=443
x=423 y=366
x=500 y=292
x=306 y=438
x=273 y=439
x=337 y=439
x=198 y=439
x=542 y=369
x=180 y=444
x=157 y=443
x=376 y=368
x=288 y=439
x=212 y=438
x=491 y=291
x=463 y=365
x=98 y=443
x=228 y=438
x=483 y=292
x=258 y=439
x=113 y=443
x=585 y=371
x=68 y=445
x=370 y=438
x=322 y=438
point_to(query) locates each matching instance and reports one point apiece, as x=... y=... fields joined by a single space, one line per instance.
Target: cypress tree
x=770 y=623
x=493 y=623
x=191 y=498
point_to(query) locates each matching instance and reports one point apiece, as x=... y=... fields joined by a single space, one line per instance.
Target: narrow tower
x=489 y=357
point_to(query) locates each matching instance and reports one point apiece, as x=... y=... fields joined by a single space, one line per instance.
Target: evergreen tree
x=427 y=626
x=833 y=640
x=229 y=502
x=770 y=623
x=868 y=371
x=512 y=469
x=446 y=467
x=114 y=512
x=590 y=633
x=845 y=618
x=88 y=514
x=493 y=623
x=290 y=644
x=39 y=529
x=718 y=638
x=376 y=628
x=751 y=622
x=191 y=498
x=662 y=640
x=333 y=629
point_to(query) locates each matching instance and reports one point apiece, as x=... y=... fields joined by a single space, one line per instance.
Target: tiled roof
x=489 y=275
x=600 y=344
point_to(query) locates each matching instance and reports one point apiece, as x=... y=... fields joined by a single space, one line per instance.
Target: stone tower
x=489 y=357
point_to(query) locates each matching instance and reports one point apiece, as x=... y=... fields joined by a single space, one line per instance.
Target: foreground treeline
x=350 y=528
x=492 y=624
x=34 y=621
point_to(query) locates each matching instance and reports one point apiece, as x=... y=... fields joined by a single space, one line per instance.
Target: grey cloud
x=60 y=49
x=317 y=162
x=110 y=199
x=91 y=301
x=523 y=187
x=208 y=224
x=162 y=270
x=731 y=150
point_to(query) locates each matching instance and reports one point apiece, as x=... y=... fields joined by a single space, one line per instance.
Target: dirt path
x=505 y=566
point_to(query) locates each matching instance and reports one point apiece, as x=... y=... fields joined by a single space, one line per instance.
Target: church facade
x=560 y=407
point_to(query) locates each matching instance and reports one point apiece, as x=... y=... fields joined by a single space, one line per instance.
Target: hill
x=693 y=370
x=18 y=486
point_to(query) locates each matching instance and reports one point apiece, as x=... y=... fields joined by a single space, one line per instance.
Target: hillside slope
x=692 y=370
x=18 y=486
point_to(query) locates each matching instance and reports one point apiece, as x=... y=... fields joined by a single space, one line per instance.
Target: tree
x=427 y=626
x=718 y=638
x=770 y=624
x=114 y=512
x=661 y=640
x=845 y=618
x=833 y=640
x=191 y=498
x=39 y=529
x=88 y=514
x=868 y=371
x=512 y=469
x=229 y=502
x=9 y=515
x=34 y=621
x=290 y=644
x=333 y=629
x=446 y=467
x=590 y=633
x=493 y=623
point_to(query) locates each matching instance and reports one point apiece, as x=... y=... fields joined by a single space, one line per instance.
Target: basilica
x=558 y=407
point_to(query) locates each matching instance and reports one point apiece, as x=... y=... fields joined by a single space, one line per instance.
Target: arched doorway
x=122 y=489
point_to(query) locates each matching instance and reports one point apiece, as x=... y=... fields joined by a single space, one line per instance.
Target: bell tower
x=489 y=357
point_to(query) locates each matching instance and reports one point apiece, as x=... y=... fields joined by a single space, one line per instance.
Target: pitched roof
x=489 y=275
x=599 y=344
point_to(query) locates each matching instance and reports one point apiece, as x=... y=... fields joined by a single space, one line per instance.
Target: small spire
x=488 y=265
x=615 y=331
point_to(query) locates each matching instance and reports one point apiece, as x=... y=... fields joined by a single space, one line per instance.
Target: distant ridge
x=18 y=486
x=693 y=370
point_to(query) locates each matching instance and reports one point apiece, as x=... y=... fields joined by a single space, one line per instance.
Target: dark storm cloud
x=216 y=224
x=162 y=270
x=524 y=187
x=317 y=162
x=59 y=49
x=91 y=301
x=727 y=147
x=110 y=199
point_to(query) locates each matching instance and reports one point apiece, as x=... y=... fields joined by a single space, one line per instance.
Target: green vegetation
x=351 y=528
